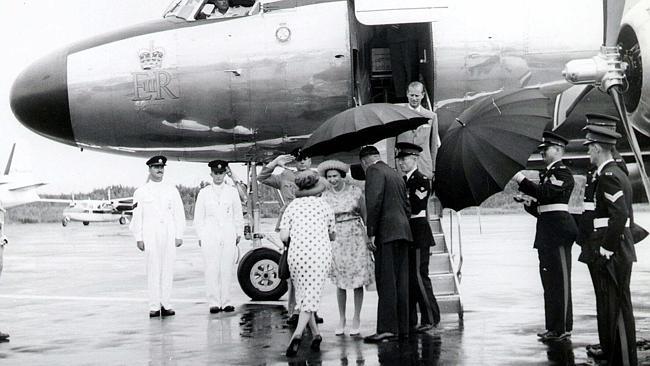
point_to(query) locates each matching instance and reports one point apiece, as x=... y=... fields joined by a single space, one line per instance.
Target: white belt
x=421 y=214
x=553 y=207
x=602 y=222
x=589 y=206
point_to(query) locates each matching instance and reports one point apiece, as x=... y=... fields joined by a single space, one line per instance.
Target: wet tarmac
x=76 y=296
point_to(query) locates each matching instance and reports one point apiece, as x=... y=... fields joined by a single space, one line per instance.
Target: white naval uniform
x=158 y=219
x=218 y=219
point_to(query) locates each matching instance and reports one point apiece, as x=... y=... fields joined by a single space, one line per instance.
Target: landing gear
x=65 y=221
x=258 y=275
x=86 y=223
x=123 y=220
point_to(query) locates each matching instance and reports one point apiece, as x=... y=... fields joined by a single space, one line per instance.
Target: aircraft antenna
x=11 y=158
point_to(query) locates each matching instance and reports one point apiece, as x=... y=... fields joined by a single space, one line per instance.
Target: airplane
x=17 y=187
x=87 y=211
x=246 y=88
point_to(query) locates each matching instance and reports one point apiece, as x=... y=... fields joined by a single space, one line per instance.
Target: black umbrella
x=360 y=126
x=492 y=140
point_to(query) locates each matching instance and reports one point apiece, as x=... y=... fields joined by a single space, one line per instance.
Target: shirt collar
x=601 y=166
x=409 y=174
x=548 y=167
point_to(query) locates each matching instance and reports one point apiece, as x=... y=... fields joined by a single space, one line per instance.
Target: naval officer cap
x=552 y=139
x=603 y=120
x=406 y=149
x=157 y=160
x=601 y=135
x=218 y=166
x=299 y=154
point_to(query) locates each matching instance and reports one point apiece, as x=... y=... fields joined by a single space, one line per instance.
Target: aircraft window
x=217 y=9
x=185 y=9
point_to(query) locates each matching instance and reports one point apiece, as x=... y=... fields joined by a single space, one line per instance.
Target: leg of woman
x=341 y=297
x=316 y=337
x=358 y=301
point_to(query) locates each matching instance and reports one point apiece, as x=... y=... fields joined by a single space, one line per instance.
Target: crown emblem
x=151 y=58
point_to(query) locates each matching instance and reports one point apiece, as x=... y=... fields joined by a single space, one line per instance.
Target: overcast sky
x=30 y=29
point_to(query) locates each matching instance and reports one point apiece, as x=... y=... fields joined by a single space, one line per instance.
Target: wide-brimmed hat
x=342 y=167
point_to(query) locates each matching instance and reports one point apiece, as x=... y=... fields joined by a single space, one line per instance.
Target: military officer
x=585 y=223
x=418 y=188
x=611 y=246
x=158 y=223
x=219 y=222
x=555 y=233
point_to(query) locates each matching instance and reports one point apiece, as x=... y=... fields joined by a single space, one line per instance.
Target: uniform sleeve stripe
x=614 y=197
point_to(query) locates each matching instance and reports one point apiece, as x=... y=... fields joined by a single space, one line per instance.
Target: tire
x=65 y=221
x=122 y=220
x=86 y=223
x=258 y=275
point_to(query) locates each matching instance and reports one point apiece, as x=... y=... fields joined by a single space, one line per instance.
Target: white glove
x=606 y=253
x=519 y=177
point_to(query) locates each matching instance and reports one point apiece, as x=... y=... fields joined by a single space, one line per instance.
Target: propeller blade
x=612 y=15
x=617 y=95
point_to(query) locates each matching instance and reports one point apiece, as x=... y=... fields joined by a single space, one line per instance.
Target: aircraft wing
x=55 y=200
x=27 y=187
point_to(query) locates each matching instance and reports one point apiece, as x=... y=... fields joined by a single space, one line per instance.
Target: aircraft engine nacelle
x=634 y=39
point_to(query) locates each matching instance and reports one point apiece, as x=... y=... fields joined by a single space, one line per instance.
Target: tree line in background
x=39 y=212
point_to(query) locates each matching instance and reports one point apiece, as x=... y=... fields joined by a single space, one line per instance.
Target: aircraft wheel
x=258 y=275
x=65 y=221
x=122 y=220
x=86 y=223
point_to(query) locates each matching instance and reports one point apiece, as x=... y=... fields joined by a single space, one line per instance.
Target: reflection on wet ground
x=76 y=296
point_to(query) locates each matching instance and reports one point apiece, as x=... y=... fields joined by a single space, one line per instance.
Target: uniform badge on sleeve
x=421 y=193
x=556 y=182
x=614 y=197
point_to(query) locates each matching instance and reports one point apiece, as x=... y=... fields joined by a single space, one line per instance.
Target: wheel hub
x=264 y=275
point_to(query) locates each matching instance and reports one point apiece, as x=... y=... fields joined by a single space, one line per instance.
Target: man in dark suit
x=418 y=188
x=389 y=236
x=555 y=233
x=611 y=246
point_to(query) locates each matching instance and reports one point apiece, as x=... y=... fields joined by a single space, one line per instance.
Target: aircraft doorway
x=397 y=55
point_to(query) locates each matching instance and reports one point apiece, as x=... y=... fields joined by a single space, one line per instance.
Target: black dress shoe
x=154 y=313
x=554 y=336
x=315 y=343
x=215 y=309
x=293 y=320
x=378 y=338
x=4 y=336
x=596 y=353
x=167 y=312
x=229 y=309
x=425 y=328
x=319 y=320
x=292 y=350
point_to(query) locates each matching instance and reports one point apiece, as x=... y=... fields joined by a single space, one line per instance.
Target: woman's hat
x=332 y=164
x=308 y=180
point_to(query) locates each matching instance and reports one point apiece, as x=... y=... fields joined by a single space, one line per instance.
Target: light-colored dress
x=309 y=221
x=352 y=265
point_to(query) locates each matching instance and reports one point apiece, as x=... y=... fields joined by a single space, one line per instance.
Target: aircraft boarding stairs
x=444 y=270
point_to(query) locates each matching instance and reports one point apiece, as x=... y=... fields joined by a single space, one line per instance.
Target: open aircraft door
x=376 y=12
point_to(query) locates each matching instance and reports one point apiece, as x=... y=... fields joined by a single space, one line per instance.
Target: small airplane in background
x=88 y=211
x=17 y=187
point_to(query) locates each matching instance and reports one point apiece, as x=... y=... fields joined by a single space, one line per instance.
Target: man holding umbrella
x=555 y=233
x=613 y=245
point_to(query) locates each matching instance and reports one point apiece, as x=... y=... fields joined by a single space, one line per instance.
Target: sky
x=30 y=29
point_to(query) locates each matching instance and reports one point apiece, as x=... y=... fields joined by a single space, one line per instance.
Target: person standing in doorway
x=219 y=222
x=158 y=224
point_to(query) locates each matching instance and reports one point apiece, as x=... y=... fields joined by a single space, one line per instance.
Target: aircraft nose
x=39 y=98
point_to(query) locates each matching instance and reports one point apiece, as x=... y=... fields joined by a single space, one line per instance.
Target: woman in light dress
x=352 y=265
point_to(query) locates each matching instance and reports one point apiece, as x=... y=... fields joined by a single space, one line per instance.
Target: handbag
x=283 y=265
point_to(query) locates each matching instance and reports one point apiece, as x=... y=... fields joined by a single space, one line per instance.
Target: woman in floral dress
x=352 y=265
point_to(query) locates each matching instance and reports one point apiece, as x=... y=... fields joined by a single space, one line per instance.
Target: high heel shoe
x=292 y=350
x=315 y=343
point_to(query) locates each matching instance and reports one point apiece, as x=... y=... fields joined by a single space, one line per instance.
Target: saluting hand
x=179 y=242
x=283 y=160
x=140 y=245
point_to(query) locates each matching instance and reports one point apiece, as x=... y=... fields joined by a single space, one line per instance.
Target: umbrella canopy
x=492 y=140
x=360 y=126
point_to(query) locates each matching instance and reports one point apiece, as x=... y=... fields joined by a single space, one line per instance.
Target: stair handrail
x=459 y=266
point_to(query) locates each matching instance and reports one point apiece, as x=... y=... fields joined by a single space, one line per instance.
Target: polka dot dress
x=309 y=221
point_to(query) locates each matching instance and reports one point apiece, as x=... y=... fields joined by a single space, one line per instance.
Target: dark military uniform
x=418 y=188
x=613 y=217
x=556 y=231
